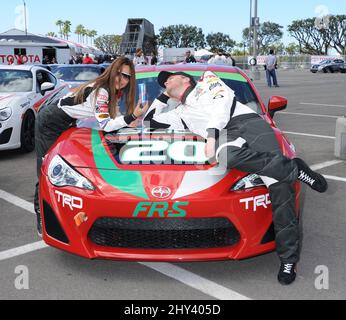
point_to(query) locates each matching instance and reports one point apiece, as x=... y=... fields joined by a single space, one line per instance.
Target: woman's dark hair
x=107 y=81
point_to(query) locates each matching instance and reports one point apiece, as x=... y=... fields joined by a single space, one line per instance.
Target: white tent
x=203 y=52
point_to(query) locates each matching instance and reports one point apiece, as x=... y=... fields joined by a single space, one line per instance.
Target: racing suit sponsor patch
x=103 y=116
x=102 y=108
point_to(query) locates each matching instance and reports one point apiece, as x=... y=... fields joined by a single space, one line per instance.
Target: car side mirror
x=47 y=86
x=276 y=103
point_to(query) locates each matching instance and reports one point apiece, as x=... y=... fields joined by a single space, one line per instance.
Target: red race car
x=147 y=195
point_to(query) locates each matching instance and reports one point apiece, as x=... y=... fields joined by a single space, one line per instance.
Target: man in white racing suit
x=241 y=139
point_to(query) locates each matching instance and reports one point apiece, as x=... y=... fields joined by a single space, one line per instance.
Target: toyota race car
x=23 y=89
x=146 y=195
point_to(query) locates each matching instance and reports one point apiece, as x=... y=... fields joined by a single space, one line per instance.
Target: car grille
x=6 y=136
x=164 y=233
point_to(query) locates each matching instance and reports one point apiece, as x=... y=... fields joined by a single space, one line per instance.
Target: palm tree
x=60 y=23
x=92 y=34
x=79 y=31
x=52 y=34
x=67 y=29
x=84 y=34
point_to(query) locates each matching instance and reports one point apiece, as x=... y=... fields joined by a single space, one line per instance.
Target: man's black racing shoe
x=313 y=179
x=287 y=273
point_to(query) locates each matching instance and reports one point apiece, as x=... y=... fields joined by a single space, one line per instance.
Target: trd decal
x=69 y=201
x=256 y=202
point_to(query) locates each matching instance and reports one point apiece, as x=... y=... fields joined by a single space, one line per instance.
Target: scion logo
x=69 y=201
x=260 y=201
x=161 y=192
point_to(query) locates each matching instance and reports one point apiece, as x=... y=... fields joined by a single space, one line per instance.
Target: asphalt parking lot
x=315 y=103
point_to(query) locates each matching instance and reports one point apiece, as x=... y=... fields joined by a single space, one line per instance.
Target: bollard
x=340 y=141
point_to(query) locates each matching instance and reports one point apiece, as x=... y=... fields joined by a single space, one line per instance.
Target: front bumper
x=9 y=135
x=252 y=231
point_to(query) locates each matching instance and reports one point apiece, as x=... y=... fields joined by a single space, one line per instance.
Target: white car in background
x=23 y=90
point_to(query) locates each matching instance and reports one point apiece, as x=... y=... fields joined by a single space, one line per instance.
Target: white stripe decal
x=197 y=181
x=236 y=143
x=268 y=181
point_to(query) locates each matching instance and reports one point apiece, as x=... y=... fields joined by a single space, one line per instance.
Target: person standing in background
x=88 y=60
x=154 y=60
x=189 y=58
x=139 y=58
x=270 y=66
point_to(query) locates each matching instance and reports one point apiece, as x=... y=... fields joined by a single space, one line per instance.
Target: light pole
x=26 y=28
x=344 y=27
x=255 y=23
x=250 y=27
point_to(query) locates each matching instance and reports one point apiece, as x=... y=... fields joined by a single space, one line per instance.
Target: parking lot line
x=326 y=164
x=322 y=105
x=27 y=206
x=309 y=135
x=335 y=178
x=12 y=253
x=310 y=115
x=192 y=280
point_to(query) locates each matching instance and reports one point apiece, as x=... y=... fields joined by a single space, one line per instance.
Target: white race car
x=23 y=90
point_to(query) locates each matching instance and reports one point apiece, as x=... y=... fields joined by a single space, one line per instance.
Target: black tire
x=27 y=133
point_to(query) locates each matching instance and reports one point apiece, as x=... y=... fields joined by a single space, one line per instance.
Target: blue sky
x=110 y=17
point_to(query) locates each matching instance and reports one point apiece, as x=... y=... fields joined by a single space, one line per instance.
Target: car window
x=236 y=82
x=15 y=81
x=43 y=77
x=77 y=74
x=325 y=62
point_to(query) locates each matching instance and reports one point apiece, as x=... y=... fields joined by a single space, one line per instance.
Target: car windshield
x=15 y=81
x=236 y=82
x=81 y=74
x=325 y=62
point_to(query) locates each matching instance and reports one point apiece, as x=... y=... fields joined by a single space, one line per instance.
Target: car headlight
x=5 y=114
x=60 y=174
x=250 y=181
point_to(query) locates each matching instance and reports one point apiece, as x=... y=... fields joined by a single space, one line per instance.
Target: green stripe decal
x=126 y=181
x=222 y=75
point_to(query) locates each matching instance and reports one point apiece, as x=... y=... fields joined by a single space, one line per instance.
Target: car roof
x=189 y=67
x=96 y=66
x=22 y=67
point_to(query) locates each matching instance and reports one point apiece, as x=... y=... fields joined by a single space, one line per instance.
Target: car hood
x=9 y=99
x=96 y=156
x=88 y=148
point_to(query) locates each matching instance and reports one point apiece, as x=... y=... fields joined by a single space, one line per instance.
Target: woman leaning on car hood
x=96 y=99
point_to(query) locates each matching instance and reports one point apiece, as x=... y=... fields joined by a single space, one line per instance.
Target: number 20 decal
x=161 y=151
